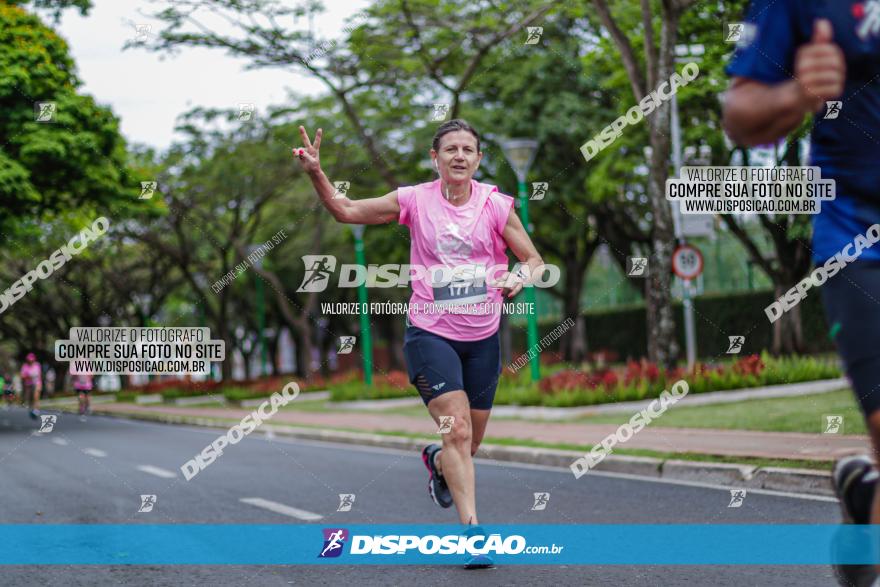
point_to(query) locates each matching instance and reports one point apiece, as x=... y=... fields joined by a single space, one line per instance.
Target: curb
x=805 y=481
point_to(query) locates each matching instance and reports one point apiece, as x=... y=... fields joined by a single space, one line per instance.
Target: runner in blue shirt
x=822 y=57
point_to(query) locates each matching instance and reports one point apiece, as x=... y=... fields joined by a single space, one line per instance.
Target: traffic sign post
x=687 y=263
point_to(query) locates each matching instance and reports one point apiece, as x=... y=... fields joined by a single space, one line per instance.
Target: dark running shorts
x=852 y=305
x=436 y=365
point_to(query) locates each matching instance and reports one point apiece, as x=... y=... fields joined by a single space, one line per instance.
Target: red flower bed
x=636 y=373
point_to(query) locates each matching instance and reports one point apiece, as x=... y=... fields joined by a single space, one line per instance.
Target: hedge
x=624 y=330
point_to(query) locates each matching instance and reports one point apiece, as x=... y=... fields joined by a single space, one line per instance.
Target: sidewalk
x=735 y=443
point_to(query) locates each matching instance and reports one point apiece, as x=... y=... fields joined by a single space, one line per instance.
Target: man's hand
x=820 y=67
x=308 y=157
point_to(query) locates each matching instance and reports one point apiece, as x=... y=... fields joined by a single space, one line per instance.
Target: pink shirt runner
x=454 y=236
x=82 y=381
x=31 y=373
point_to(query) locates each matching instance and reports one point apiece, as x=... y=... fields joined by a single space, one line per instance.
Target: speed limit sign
x=687 y=262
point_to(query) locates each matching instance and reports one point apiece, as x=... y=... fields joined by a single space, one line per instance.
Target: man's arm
x=756 y=113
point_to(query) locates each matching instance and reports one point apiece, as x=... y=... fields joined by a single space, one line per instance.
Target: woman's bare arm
x=366 y=211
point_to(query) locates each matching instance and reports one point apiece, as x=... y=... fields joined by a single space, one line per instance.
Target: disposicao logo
x=334 y=540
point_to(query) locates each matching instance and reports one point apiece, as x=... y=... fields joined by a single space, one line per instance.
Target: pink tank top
x=31 y=373
x=456 y=306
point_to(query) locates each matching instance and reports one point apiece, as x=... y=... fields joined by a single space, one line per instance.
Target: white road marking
x=280 y=508
x=158 y=472
x=561 y=470
x=94 y=452
x=59 y=441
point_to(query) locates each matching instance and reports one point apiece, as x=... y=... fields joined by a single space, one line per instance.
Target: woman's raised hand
x=308 y=154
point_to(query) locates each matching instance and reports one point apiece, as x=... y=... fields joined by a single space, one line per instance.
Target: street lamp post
x=360 y=259
x=520 y=154
x=261 y=311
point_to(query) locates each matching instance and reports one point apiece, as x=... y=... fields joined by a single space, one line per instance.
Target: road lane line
x=59 y=441
x=94 y=452
x=344 y=446
x=158 y=472
x=280 y=508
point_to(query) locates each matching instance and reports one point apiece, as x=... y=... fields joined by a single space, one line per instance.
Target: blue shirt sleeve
x=776 y=34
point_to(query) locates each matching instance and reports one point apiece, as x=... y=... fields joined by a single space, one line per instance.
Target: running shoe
x=855 y=480
x=478 y=561
x=35 y=414
x=437 y=487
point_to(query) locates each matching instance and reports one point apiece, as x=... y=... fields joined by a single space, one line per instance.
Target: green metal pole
x=360 y=259
x=530 y=291
x=261 y=322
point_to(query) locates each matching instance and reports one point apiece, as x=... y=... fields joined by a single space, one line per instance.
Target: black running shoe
x=437 y=488
x=855 y=480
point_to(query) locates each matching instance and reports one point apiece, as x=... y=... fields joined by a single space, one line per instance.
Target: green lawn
x=791 y=414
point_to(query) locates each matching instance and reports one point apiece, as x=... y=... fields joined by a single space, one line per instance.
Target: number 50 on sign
x=687 y=262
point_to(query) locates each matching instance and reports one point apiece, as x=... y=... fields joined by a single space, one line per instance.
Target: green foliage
x=46 y=167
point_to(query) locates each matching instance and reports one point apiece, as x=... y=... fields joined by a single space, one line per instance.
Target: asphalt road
x=94 y=471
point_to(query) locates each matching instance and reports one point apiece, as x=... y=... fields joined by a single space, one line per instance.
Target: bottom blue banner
x=195 y=544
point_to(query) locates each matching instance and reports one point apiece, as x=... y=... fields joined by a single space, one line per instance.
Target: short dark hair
x=452 y=126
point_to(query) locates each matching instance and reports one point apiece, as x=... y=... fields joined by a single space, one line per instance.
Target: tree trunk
x=788 y=335
x=662 y=345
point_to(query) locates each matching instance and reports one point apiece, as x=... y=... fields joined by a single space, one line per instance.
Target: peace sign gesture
x=308 y=157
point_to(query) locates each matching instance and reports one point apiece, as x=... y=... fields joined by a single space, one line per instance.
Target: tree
x=643 y=78
x=76 y=157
